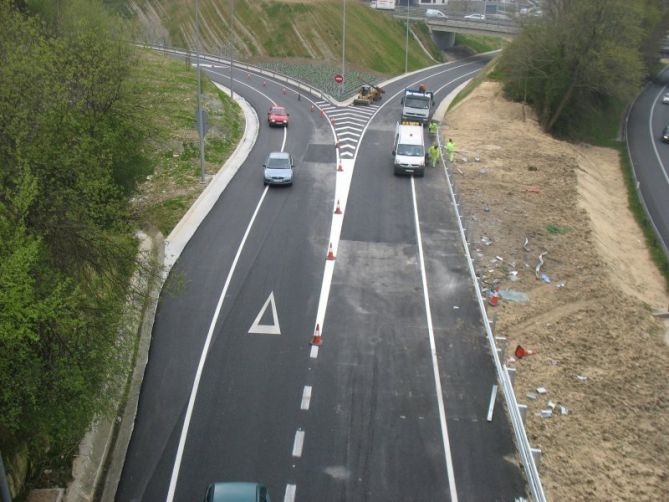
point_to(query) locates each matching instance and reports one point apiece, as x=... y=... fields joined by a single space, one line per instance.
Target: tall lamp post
x=343 y=52
x=200 y=118
x=406 y=42
x=231 y=41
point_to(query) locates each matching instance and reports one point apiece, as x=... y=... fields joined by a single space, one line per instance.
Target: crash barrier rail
x=529 y=456
x=273 y=73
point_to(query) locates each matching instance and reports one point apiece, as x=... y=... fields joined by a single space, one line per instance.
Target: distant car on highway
x=665 y=134
x=435 y=13
x=476 y=16
x=236 y=492
x=665 y=98
x=279 y=169
x=277 y=116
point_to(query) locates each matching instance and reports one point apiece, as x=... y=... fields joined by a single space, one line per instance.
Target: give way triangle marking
x=266 y=329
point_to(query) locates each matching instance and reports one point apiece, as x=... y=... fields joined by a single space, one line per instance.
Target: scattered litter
x=564 y=410
x=581 y=378
x=477 y=159
x=533 y=190
x=455 y=307
x=551 y=405
x=486 y=209
x=540 y=262
x=483 y=170
x=514 y=296
x=499 y=258
x=527 y=241
x=560 y=284
x=547 y=413
x=545 y=278
x=486 y=240
x=541 y=390
x=511 y=360
x=513 y=275
x=532 y=396
x=460 y=171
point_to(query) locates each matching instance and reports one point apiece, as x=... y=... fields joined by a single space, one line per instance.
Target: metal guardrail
x=504 y=374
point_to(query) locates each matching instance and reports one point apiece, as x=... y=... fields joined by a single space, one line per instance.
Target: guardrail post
x=511 y=372
x=522 y=409
x=536 y=455
x=501 y=344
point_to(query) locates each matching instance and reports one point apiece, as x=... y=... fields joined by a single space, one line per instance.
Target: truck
x=383 y=4
x=417 y=104
x=409 y=149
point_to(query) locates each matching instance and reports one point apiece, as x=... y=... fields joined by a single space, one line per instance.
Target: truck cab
x=409 y=149
x=417 y=105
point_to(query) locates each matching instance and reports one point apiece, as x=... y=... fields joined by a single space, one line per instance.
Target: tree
x=580 y=55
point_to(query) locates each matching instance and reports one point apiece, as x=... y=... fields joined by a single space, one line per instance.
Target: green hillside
x=267 y=29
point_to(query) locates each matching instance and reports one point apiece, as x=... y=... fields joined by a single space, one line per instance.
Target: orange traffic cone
x=494 y=299
x=331 y=255
x=340 y=168
x=521 y=352
x=316 y=340
x=338 y=209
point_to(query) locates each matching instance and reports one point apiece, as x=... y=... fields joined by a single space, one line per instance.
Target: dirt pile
x=600 y=353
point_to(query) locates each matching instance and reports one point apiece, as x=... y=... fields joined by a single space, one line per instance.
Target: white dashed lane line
x=306 y=397
x=290 y=493
x=298 y=443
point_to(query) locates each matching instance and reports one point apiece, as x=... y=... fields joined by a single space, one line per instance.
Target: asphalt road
x=393 y=405
x=650 y=156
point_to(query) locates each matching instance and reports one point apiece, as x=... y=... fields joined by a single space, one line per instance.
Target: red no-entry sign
x=339 y=78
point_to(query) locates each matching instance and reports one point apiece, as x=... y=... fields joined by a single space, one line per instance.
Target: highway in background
x=393 y=405
x=646 y=121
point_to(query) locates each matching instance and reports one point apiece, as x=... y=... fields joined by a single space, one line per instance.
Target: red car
x=277 y=116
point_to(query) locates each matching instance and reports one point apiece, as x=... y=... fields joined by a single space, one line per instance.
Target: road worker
x=450 y=148
x=434 y=153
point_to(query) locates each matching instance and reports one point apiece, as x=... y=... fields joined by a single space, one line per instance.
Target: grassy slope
x=170 y=101
x=374 y=40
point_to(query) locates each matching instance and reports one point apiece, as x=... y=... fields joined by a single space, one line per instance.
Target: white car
x=435 y=13
x=665 y=98
x=477 y=17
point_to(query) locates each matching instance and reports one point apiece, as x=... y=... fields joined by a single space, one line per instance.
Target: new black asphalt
x=372 y=429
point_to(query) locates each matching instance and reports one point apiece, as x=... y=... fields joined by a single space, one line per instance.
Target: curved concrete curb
x=102 y=451
x=185 y=229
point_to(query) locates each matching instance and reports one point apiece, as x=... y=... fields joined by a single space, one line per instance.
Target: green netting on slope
x=321 y=76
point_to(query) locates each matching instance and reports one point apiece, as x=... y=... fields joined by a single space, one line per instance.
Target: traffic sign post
x=339 y=78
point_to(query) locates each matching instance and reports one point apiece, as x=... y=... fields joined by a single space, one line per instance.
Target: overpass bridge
x=444 y=30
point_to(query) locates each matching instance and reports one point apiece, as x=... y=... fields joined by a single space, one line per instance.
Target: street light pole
x=406 y=42
x=231 y=41
x=200 y=121
x=343 y=53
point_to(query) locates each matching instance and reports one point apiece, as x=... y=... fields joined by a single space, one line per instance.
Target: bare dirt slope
x=599 y=351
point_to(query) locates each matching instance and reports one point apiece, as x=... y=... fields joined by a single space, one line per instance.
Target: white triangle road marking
x=266 y=329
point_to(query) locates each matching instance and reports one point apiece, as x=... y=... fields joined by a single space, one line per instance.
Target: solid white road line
x=306 y=397
x=433 y=350
x=203 y=357
x=298 y=444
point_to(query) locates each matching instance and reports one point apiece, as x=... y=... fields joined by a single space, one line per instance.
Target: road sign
x=339 y=78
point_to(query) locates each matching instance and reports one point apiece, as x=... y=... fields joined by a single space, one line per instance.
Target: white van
x=409 y=149
x=435 y=13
